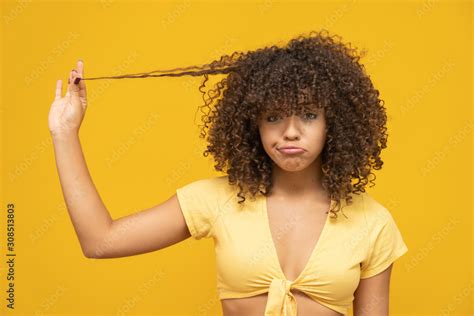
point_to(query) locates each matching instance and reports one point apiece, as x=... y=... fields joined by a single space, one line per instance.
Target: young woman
x=297 y=130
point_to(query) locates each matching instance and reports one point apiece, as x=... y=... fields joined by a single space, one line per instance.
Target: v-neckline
x=264 y=209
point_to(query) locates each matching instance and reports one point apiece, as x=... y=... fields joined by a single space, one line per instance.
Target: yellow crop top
x=348 y=249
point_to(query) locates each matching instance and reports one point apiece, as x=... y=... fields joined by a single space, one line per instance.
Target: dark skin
x=295 y=175
x=296 y=178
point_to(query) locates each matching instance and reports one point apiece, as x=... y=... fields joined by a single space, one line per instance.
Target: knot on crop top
x=280 y=299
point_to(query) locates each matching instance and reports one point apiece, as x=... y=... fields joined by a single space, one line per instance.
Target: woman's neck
x=303 y=183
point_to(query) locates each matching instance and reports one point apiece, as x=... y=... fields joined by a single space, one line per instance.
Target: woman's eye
x=271 y=118
x=274 y=118
x=311 y=115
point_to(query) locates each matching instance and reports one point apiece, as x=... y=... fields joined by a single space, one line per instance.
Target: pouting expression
x=305 y=130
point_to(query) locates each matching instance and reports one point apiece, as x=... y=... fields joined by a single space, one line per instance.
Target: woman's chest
x=257 y=245
x=295 y=231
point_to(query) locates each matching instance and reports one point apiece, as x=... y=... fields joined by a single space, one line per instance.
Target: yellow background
x=141 y=142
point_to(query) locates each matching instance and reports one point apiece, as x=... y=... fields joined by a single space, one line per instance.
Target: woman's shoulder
x=375 y=211
x=215 y=187
x=364 y=207
x=214 y=183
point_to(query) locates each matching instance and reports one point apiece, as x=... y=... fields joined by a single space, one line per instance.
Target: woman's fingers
x=59 y=87
x=80 y=74
x=80 y=68
x=76 y=89
x=69 y=84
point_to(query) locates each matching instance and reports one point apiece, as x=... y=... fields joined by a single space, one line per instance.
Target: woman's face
x=306 y=130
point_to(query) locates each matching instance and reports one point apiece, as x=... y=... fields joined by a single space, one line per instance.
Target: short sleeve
x=386 y=243
x=199 y=204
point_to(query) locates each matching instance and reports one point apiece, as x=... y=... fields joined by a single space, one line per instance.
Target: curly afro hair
x=316 y=69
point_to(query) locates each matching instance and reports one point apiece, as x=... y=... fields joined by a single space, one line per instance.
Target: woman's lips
x=291 y=150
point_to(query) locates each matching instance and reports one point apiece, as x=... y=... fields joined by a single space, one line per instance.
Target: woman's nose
x=291 y=127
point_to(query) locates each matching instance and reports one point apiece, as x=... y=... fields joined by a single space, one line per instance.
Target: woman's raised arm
x=99 y=235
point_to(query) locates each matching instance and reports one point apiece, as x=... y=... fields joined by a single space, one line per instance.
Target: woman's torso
x=295 y=226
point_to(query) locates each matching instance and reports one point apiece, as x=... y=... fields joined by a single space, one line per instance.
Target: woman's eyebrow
x=312 y=108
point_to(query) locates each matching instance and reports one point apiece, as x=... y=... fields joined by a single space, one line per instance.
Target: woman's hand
x=66 y=113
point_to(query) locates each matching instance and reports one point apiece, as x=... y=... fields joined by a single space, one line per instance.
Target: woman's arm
x=87 y=211
x=372 y=295
x=99 y=235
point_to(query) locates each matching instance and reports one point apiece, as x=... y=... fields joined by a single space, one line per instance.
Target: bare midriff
x=255 y=306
